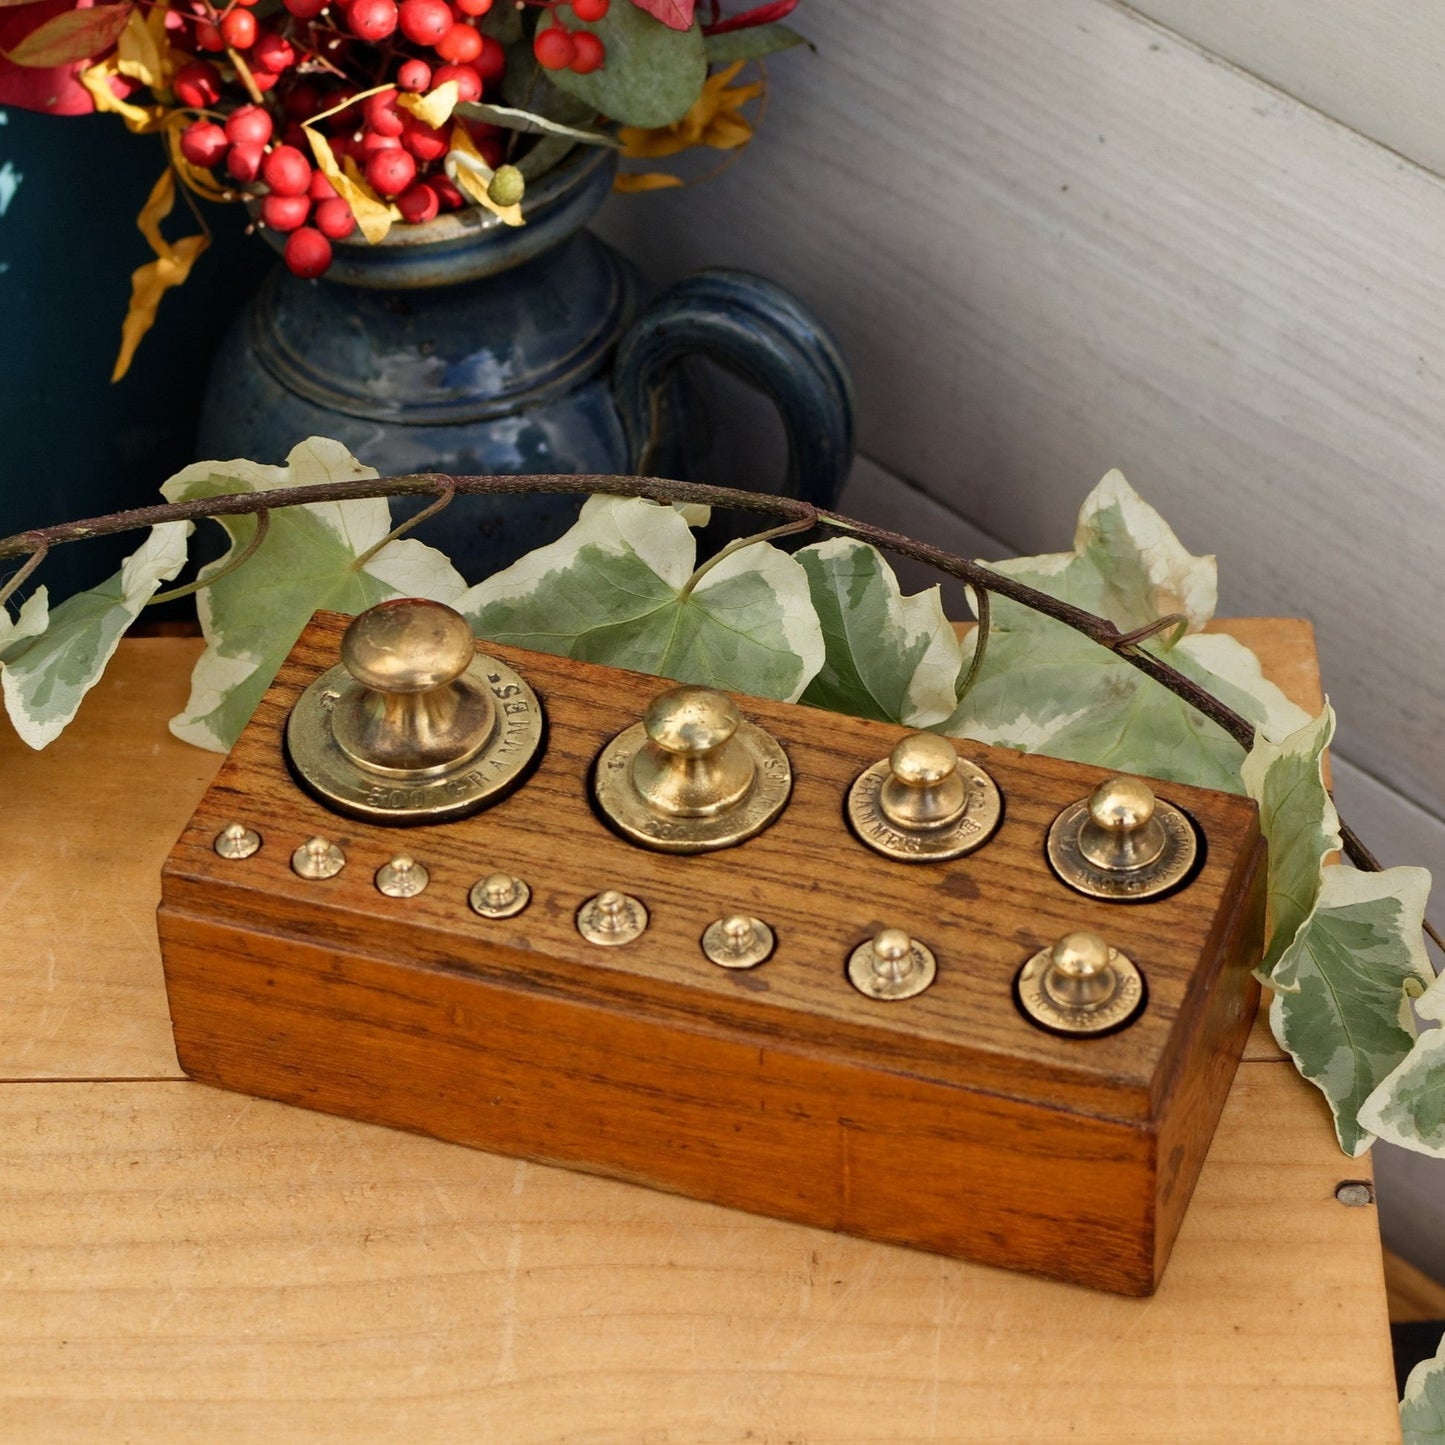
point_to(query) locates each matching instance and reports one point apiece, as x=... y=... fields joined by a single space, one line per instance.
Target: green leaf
x=652 y=74
x=1045 y=688
x=45 y=681
x=1358 y=960
x=33 y=619
x=753 y=43
x=1422 y=1411
x=615 y=590
x=529 y=122
x=1287 y=780
x=889 y=657
x=252 y=616
x=1408 y=1108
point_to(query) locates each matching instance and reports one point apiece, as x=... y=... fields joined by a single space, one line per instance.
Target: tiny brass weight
x=499 y=895
x=924 y=803
x=1081 y=985
x=317 y=859
x=891 y=966
x=413 y=725
x=693 y=775
x=738 y=941
x=1122 y=843
x=612 y=918
x=403 y=877
x=236 y=841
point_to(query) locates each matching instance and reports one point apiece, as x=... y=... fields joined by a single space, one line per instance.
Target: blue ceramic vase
x=466 y=346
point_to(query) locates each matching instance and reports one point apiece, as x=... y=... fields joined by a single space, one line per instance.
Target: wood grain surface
x=183 y=1263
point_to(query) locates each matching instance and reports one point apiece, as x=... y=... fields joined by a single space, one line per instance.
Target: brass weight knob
x=413 y=725
x=415 y=709
x=693 y=775
x=1081 y=985
x=1122 y=842
x=924 y=803
x=891 y=966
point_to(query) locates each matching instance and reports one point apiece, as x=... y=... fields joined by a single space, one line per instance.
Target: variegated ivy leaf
x=1408 y=1108
x=45 y=680
x=1358 y=961
x=1287 y=780
x=1422 y=1410
x=33 y=618
x=889 y=657
x=617 y=589
x=1045 y=688
x=307 y=561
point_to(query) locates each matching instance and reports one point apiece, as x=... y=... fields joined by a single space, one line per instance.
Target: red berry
x=589 y=10
x=372 y=19
x=248 y=125
x=473 y=7
x=285 y=213
x=273 y=52
x=248 y=3
x=424 y=22
x=302 y=100
x=208 y=37
x=287 y=172
x=238 y=28
x=590 y=53
x=334 y=218
x=305 y=9
x=414 y=75
x=204 y=143
x=554 y=48
x=425 y=143
x=197 y=85
x=320 y=188
x=469 y=83
x=389 y=173
x=373 y=141
x=244 y=162
x=450 y=197
x=461 y=45
x=382 y=115
x=418 y=204
x=491 y=64
x=308 y=252
x=264 y=80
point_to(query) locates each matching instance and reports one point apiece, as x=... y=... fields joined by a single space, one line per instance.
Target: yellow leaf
x=714 y=120
x=372 y=214
x=472 y=174
x=150 y=282
x=139 y=119
x=628 y=184
x=435 y=109
x=138 y=51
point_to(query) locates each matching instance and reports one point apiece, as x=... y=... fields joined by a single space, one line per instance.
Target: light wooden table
x=182 y=1263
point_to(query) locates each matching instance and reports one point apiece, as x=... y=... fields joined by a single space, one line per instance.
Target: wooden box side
x=702 y=1109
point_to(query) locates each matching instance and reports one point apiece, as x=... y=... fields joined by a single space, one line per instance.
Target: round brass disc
x=631 y=814
x=611 y=918
x=486 y=775
x=738 y=941
x=1171 y=865
x=499 y=895
x=868 y=816
x=1043 y=991
x=891 y=966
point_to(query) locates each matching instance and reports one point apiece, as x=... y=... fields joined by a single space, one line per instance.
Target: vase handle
x=769 y=339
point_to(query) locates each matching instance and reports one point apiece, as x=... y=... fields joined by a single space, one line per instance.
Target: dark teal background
x=72 y=444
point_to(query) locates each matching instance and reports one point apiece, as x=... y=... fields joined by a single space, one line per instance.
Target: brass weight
x=1122 y=843
x=413 y=725
x=1081 y=985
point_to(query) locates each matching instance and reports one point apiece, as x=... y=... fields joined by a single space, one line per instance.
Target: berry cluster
x=311 y=63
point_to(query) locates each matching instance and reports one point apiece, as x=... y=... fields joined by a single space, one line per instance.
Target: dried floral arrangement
x=339 y=119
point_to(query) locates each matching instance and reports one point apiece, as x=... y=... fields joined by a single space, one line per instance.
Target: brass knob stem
x=924 y=787
x=1122 y=833
x=1079 y=974
x=692 y=764
x=415 y=711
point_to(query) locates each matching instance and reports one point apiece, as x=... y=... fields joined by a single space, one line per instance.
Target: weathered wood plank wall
x=1055 y=236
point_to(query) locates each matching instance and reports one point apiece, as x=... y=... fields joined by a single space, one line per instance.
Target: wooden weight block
x=946 y=1121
